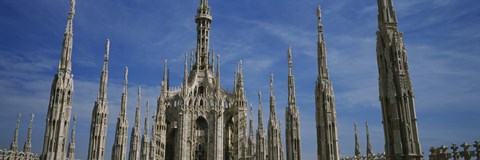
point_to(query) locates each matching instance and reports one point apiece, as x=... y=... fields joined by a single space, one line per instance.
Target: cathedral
x=200 y=120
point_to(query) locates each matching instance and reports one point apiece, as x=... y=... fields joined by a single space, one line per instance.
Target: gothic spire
x=134 y=153
x=386 y=13
x=145 y=139
x=369 y=146
x=240 y=78
x=251 y=122
x=71 y=145
x=98 y=125
x=191 y=60
x=395 y=88
x=65 y=64
x=104 y=77
x=322 y=53
x=14 y=145
x=357 y=146
x=260 y=114
x=251 y=137
x=185 y=75
x=218 y=71
x=213 y=60
x=291 y=80
x=292 y=116
x=325 y=114
x=203 y=20
x=123 y=112
x=165 y=77
x=272 y=100
x=28 y=145
x=119 y=149
x=137 y=112
x=61 y=95
x=145 y=129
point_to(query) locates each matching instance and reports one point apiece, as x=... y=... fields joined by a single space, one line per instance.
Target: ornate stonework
x=326 y=116
x=60 y=104
x=396 y=92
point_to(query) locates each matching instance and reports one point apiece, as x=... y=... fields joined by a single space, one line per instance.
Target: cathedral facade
x=200 y=120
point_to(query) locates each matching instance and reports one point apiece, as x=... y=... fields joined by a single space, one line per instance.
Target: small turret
x=71 y=145
x=14 y=145
x=369 y=146
x=358 y=154
x=27 y=148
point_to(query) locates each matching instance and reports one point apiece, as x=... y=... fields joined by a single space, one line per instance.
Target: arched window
x=201 y=135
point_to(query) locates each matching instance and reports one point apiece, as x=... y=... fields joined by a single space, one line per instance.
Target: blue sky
x=442 y=39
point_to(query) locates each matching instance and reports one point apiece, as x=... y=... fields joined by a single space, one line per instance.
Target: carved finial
x=107 y=49
x=290 y=63
x=72 y=6
x=139 y=92
x=260 y=114
x=125 y=79
x=145 y=130
x=319 y=12
x=271 y=84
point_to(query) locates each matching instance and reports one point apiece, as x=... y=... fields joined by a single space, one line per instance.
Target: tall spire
x=14 y=145
x=260 y=114
x=104 y=78
x=213 y=60
x=369 y=146
x=322 y=53
x=60 y=103
x=292 y=116
x=325 y=114
x=261 y=153
x=145 y=127
x=191 y=60
x=386 y=13
x=358 y=154
x=251 y=136
x=251 y=121
x=145 y=140
x=272 y=99
x=185 y=76
x=218 y=71
x=71 y=145
x=203 y=20
x=240 y=86
x=134 y=153
x=123 y=111
x=275 y=151
x=395 y=88
x=165 y=77
x=98 y=126
x=65 y=64
x=27 y=148
x=119 y=150
x=291 y=80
